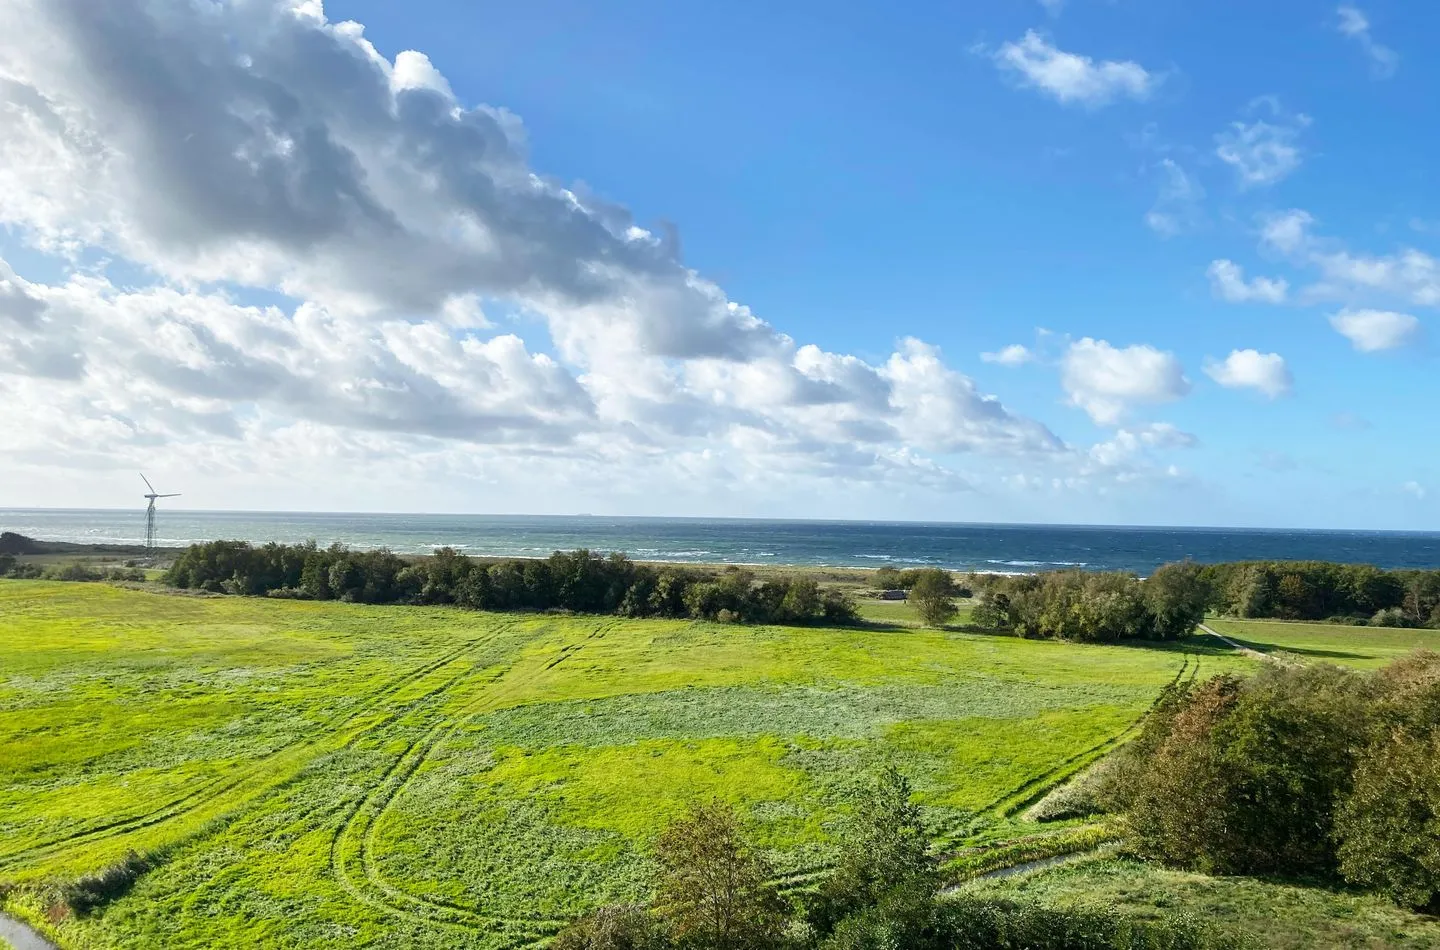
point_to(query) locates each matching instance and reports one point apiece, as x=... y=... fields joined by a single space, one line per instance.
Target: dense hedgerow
x=1311 y=770
x=580 y=581
x=1093 y=606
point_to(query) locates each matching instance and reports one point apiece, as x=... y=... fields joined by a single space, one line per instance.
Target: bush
x=617 y=927
x=1389 y=826
x=74 y=571
x=915 y=919
x=88 y=893
x=1248 y=772
x=1390 y=617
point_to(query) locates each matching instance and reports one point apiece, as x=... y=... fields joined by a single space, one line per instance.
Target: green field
x=321 y=775
x=1364 y=647
x=1282 y=915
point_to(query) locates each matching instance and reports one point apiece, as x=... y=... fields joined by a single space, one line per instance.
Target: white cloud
x=1126 y=445
x=1262 y=153
x=1265 y=372
x=1370 y=331
x=1414 y=488
x=261 y=147
x=1015 y=354
x=1053 y=7
x=1351 y=22
x=1107 y=381
x=1177 y=207
x=1228 y=282
x=1286 y=231
x=1071 y=78
x=1408 y=275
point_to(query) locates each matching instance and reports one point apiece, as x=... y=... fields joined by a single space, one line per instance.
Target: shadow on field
x=1259 y=647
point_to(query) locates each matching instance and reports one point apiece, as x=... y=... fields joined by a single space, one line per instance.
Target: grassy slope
x=321 y=774
x=1281 y=915
x=1366 y=647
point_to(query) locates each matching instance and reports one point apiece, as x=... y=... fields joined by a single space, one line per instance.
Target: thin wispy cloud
x=1353 y=23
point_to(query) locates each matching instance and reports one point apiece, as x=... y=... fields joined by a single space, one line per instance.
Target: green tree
x=712 y=890
x=933 y=596
x=883 y=846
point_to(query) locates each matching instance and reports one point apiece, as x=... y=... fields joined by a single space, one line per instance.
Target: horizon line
x=745 y=518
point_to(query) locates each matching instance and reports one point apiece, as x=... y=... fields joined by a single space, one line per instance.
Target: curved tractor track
x=353 y=859
x=273 y=769
x=1011 y=802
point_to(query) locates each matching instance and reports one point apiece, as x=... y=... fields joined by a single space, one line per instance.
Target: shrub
x=1390 y=617
x=74 y=571
x=616 y=927
x=95 y=890
x=915 y=919
x=1248 y=774
x=1389 y=826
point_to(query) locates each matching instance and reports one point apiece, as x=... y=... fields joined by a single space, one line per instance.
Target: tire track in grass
x=355 y=841
x=1031 y=790
x=288 y=754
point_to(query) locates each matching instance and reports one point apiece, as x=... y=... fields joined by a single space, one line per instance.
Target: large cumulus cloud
x=233 y=150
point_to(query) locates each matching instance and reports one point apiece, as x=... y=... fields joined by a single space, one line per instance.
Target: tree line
x=1320 y=590
x=581 y=581
x=714 y=891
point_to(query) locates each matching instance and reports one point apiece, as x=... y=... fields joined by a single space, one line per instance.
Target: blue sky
x=1139 y=194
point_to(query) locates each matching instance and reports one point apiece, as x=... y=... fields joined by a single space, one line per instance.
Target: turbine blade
x=146 y=481
x=171 y=495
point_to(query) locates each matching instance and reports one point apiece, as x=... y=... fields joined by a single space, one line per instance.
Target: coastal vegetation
x=578 y=581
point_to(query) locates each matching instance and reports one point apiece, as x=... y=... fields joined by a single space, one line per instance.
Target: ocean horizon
x=961 y=546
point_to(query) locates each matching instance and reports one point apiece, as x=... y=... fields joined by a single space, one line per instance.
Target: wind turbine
x=150 y=513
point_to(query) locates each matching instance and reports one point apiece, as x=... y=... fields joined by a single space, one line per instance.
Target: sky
x=1070 y=261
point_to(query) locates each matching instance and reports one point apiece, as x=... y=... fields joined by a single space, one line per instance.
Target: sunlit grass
x=322 y=775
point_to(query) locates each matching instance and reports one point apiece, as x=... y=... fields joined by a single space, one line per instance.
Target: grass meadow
x=303 y=774
x=322 y=775
x=1361 y=647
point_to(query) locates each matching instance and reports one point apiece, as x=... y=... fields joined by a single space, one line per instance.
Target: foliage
x=1247 y=774
x=915 y=919
x=1309 y=769
x=1389 y=826
x=933 y=594
x=87 y=893
x=579 y=581
x=884 y=846
x=613 y=927
x=1388 y=829
x=1095 y=606
x=713 y=891
x=1314 y=590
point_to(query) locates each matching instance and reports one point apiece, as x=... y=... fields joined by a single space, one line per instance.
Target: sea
x=994 y=548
